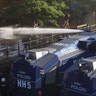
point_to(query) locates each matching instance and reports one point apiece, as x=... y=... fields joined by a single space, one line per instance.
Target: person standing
x=66 y=20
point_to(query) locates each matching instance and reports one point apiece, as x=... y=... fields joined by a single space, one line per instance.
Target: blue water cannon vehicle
x=83 y=79
x=42 y=72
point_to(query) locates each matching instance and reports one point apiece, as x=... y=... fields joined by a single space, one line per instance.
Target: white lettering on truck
x=23 y=84
x=79 y=88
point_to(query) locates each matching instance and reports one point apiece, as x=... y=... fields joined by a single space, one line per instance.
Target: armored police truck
x=83 y=79
x=43 y=71
x=32 y=76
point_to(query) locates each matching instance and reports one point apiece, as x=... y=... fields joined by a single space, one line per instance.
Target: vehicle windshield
x=31 y=55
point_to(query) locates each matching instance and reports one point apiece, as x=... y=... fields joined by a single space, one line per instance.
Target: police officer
x=3 y=86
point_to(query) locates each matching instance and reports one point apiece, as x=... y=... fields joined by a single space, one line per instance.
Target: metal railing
x=10 y=52
x=40 y=41
x=87 y=27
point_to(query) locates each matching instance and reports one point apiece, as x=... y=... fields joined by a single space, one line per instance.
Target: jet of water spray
x=14 y=33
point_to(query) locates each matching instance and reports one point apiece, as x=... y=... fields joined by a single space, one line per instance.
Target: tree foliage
x=44 y=12
x=89 y=5
x=82 y=8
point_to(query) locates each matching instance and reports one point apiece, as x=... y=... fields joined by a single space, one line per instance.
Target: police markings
x=23 y=80
x=24 y=84
x=24 y=76
x=69 y=49
x=79 y=88
x=60 y=44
